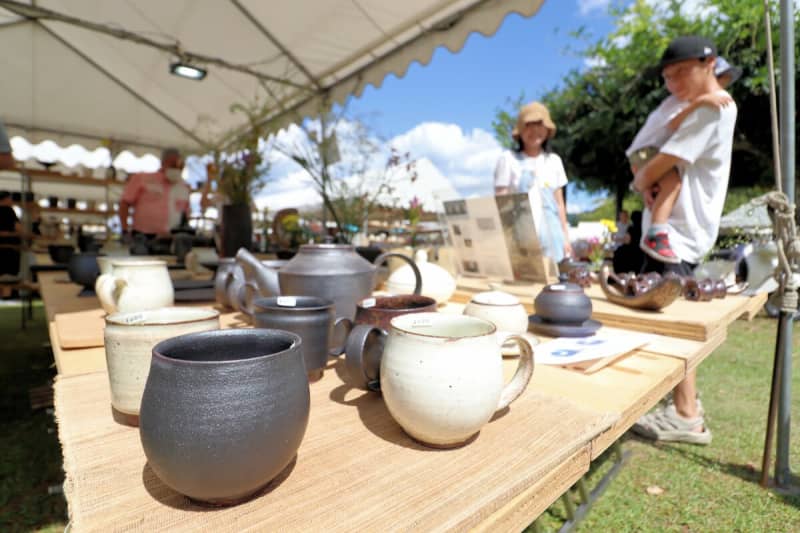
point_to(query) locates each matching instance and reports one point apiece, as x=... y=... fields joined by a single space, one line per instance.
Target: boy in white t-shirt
x=701 y=150
x=658 y=128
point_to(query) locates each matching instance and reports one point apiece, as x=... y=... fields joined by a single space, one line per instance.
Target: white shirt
x=546 y=169
x=655 y=131
x=704 y=141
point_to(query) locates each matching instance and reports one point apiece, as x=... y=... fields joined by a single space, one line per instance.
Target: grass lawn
x=708 y=488
x=711 y=488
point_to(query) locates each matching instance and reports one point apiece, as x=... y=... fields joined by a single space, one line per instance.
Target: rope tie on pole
x=781 y=212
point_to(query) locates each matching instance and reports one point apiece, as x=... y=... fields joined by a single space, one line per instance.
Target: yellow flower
x=610 y=225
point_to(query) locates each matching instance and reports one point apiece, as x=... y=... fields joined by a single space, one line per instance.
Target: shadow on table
x=167 y=496
x=374 y=415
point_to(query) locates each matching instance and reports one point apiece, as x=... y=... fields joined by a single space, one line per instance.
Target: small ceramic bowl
x=502 y=309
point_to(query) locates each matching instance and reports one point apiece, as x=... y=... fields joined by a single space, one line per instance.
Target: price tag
x=368 y=302
x=421 y=323
x=135 y=318
x=287 y=301
x=558 y=287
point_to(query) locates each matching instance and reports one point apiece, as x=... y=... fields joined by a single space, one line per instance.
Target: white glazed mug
x=135 y=285
x=129 y=339
x=442 y=376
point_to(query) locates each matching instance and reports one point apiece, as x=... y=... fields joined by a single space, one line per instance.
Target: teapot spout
x=266 y=279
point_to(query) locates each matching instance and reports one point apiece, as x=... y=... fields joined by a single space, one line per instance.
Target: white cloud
x=587 y=6
x=594 y=62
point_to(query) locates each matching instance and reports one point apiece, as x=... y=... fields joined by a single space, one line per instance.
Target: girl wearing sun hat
x=531 y=167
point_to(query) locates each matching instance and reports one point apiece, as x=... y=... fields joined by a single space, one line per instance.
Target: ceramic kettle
x=331 y=271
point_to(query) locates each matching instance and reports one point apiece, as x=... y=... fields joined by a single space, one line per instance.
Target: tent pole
x=787 y=135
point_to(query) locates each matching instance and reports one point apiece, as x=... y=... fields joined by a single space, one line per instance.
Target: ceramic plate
x=549 y=329
x=195 y=295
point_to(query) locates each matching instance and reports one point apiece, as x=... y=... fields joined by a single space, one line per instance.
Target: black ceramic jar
x=309 y=317
x=223 y=412
x=563 y=303
x=83 y=269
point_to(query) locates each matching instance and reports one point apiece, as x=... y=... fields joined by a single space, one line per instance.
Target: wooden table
x=356 y=469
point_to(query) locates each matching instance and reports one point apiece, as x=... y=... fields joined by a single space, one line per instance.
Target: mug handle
x=348 y=326
x=417 y=276
x=523 y=374
x=247 y=295
x=356 y=363
x=108 y=288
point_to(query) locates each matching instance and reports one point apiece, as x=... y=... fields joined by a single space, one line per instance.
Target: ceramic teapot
x=331 y=271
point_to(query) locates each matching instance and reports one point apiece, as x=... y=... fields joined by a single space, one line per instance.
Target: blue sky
x=443 y=111
x=465 y=88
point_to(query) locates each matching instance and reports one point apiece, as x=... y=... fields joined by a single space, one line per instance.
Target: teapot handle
x=248 y=293
x=417 y=276
x=523 y=374
x=108 y=289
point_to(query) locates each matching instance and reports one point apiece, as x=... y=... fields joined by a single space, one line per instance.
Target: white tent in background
x=98 y=73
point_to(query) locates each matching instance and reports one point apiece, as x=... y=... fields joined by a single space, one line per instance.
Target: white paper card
x=569 y=351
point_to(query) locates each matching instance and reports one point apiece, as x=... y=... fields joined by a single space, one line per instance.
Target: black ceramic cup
x=307 y=316
x=223 y=412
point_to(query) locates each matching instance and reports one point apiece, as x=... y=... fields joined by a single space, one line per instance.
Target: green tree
x=599 y=110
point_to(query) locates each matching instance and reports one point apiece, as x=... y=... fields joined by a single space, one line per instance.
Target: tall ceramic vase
x=237 y=229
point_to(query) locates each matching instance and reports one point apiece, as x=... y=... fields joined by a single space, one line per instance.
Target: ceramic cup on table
x=224 y=412
x=129 y=339
x=363 y=345
x=505 y=311
x=502 y=309
x=309 y=317
x=441 y=376
x=135 y=285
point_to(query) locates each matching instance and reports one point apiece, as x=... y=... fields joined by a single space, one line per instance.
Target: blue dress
x=550 y=233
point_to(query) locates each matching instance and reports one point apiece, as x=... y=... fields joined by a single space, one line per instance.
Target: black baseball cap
x=687 y=47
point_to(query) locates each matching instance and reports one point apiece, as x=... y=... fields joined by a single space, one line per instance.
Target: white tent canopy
x=96 y=72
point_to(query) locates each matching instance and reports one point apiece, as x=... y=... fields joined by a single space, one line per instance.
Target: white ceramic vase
x=442 y=376
x=437 y=283
x=135 y=285
x=129 y=339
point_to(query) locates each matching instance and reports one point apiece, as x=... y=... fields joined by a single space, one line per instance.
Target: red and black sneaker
x=656 y=245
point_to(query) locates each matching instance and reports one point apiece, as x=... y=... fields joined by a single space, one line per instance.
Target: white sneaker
x=668 y=426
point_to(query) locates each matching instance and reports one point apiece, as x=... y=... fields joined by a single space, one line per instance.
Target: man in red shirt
x=158 y=198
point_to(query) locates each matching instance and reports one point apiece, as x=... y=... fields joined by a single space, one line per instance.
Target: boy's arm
x=654 y=170
x=713 y=100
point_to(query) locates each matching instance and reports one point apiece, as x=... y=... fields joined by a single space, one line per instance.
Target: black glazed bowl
x=223 y=412
x=60 y=253
x=563 y=303
x=83 y=269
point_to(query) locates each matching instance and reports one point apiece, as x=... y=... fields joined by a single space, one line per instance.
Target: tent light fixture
x=187 y=70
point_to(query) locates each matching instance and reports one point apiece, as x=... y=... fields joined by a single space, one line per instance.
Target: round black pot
x=237 y=229
x=60 y=253
x=224 y=412
x=563 y=303
x=52 y=201
x=83 y=269
x=71 y=203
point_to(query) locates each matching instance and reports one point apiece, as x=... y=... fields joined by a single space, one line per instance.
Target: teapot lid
x=495 y=298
